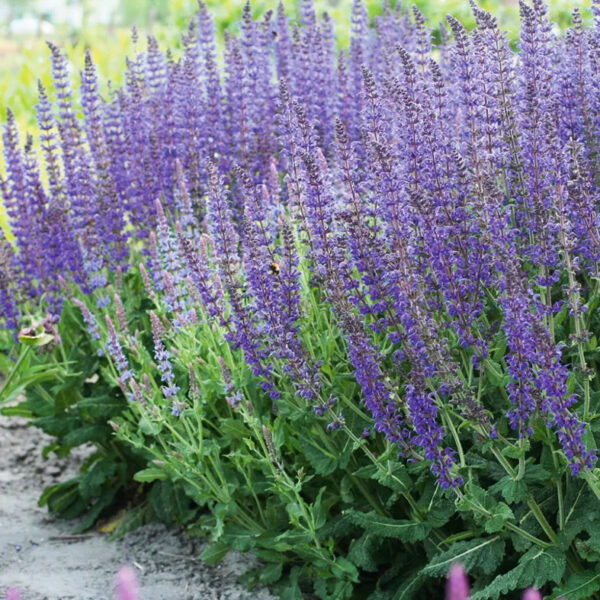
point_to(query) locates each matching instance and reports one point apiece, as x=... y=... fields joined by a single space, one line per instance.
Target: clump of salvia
x=443 y=200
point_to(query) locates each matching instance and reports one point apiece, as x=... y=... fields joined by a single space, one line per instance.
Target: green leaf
x=88 y=433
x=214 y=552
x=16 y=411
x=319 y=509
x=391 y=474
x=98 y=475
x=170 y=503
x=292 y=589
x=40 y=339
x=103 y=502
x=101 y=406
x=395 y=477
x=516 y=451
x=150 y=474
x=536 y=567
x=409 y=587
x=148 y=427
x=323 y=463
x=536 y=473
x=494 y=373
x=363 y=551
x=407 y=531
x=512 y=491
x=132 y=520
x=270 y=573
x=440 y=513
x=485 y=554
x=578 y=586
x=64 y=499
x=501 y=514
x=344 y=569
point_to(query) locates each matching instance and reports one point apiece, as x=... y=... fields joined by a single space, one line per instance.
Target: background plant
x=370 y=283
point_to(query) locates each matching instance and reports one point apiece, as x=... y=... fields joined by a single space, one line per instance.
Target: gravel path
x=36 y=557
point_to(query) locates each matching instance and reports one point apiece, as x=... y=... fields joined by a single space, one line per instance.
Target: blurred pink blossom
x=127 y=587
x=457 y=584
x=12 y=594
x=531 y=594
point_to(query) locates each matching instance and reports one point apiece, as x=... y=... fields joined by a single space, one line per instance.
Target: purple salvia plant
x=438 y=205
x=162 y=357
x=115 y=351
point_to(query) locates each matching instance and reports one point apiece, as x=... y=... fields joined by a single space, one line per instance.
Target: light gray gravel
x=34 y=559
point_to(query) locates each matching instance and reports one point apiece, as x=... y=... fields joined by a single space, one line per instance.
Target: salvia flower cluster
x=440 y=201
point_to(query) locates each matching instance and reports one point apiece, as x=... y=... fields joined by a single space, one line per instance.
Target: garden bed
x=41 y=556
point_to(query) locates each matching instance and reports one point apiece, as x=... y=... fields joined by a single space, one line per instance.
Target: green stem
x=508 y=524
x=521 y=470
x=527 y=535
x=502 y=460
x=461 y=455
x=541 y=519
x=559 y=493
x=14 y=370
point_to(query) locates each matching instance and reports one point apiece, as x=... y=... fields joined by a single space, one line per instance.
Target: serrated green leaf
x=512 y=491
x=100 y=406
x=396 y=477
x=535 y=473
x=363 y=551
x=323 y=463
x=407 y=531
x=578 y=586
x=501 y=514
x=440 y=513
x=485 y=554
x=536 y=567
x=409 y=587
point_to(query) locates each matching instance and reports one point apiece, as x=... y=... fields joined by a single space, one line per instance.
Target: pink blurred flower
x=531 y=594
x=127 y=587
x=457 y=584
x=12 y=594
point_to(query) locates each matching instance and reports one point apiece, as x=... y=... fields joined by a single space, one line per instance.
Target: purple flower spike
x=457 y=585
x=531 y=594
x=127 y=586
x=13 y=594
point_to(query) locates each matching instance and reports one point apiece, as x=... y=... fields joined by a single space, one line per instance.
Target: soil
x=38 y=557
